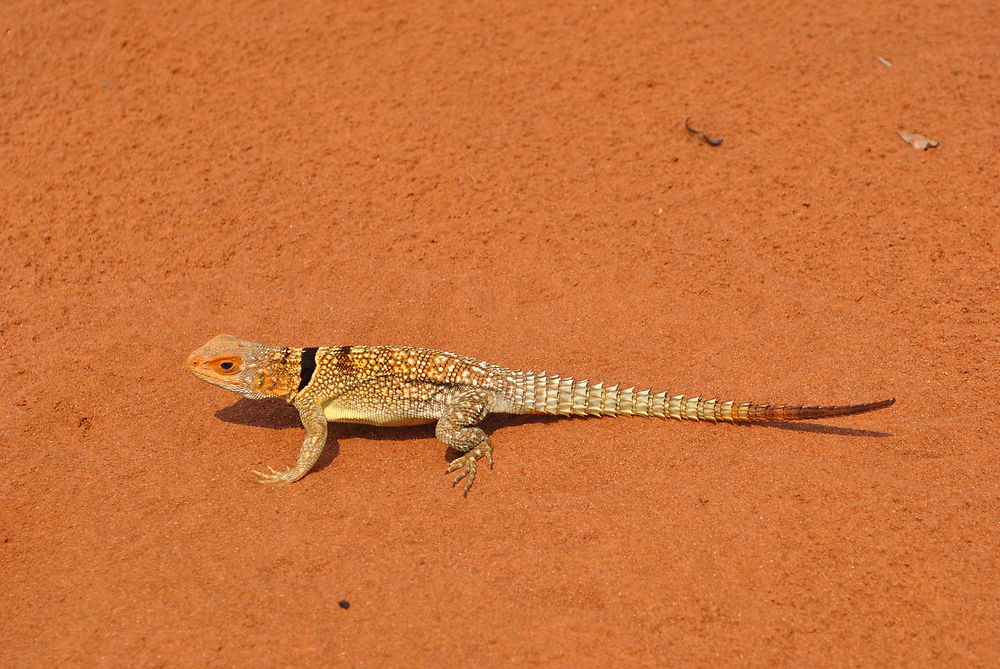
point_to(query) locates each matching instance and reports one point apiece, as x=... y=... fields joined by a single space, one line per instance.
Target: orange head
x=252 y=370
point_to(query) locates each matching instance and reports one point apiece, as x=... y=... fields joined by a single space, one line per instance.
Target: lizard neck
x=279 y=373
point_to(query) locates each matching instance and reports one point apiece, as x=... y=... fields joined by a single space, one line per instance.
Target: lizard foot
x=466 y=464
x=279 y=478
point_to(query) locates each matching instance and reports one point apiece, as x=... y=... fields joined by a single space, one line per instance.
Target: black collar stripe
x=308 y=366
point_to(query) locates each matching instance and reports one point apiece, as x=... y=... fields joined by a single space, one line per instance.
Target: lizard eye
x=227 y=365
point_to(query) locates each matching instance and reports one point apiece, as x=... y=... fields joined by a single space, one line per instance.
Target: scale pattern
x=541 y=393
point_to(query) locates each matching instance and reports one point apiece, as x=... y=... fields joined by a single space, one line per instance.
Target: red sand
x=513 y=182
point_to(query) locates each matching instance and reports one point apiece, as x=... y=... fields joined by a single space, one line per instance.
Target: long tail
x=539 y=393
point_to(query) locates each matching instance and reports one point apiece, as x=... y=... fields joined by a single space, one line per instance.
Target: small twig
x=884 y=61
x=699 y=134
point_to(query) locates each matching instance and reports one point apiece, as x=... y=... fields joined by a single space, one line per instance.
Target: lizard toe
x=278 y=478
x=465 y=465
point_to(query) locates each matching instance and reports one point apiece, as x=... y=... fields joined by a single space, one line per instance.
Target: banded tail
x=568 y=397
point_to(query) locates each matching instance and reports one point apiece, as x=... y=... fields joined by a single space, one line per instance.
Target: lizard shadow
x=820 y=429
x=276 y=414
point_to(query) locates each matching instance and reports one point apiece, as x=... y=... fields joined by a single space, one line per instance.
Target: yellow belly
x=342 y=414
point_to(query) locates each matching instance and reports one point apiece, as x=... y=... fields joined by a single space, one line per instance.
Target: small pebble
x=918 y=142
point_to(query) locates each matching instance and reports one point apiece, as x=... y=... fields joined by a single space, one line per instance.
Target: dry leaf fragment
x=918 y=142
x=699 y=136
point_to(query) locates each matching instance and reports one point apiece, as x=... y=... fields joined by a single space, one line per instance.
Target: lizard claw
x=465 y=465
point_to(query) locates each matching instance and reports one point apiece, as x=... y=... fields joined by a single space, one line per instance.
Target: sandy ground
x=511 y=181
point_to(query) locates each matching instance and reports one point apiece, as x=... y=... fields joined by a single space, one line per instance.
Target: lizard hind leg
x=455 y=429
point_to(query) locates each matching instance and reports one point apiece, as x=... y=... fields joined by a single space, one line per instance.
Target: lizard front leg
x=315 y=423
x=463 y=410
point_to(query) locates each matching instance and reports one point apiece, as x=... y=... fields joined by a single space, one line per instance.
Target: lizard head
x=250 y=369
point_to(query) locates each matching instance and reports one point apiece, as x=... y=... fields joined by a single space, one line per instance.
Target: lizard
x=402 y=385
